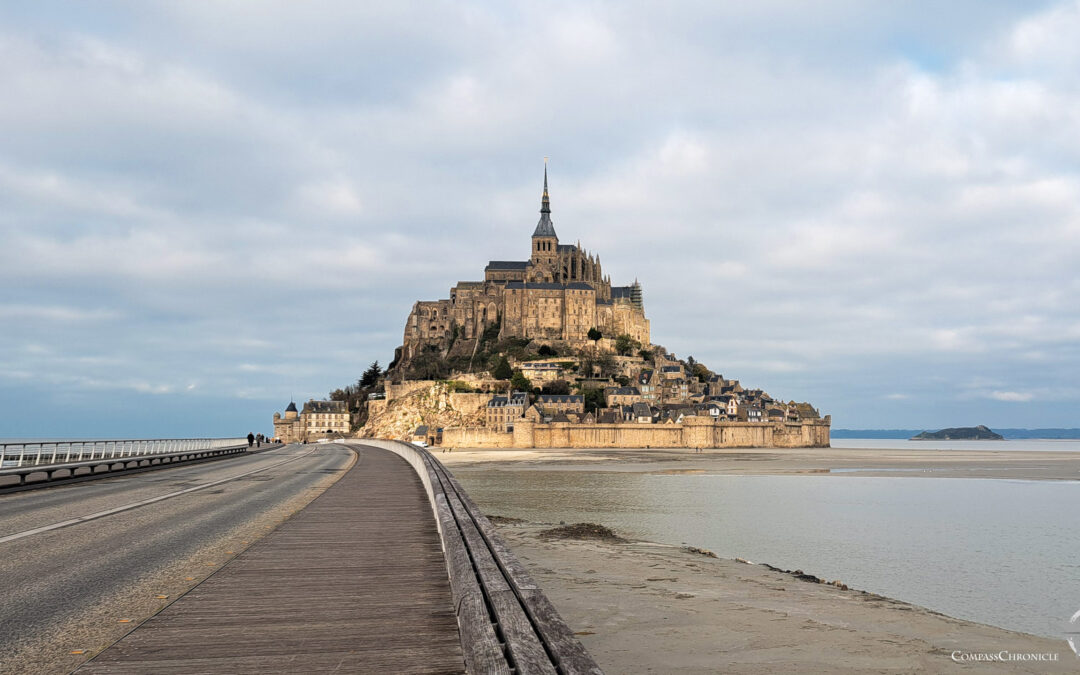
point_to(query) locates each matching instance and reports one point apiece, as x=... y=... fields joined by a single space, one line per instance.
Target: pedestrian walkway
x=354 y=582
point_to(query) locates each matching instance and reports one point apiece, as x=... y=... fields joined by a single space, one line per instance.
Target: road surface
x=82 y=564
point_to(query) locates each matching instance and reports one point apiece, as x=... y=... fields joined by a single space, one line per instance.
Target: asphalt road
x=66 y=593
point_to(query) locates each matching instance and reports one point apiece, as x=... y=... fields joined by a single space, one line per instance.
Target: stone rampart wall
x=476 y=437
x=692 y=433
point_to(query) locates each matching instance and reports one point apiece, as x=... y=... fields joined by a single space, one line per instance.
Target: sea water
x=996 y=551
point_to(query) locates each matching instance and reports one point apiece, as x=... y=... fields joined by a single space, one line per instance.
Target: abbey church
x=556 y=296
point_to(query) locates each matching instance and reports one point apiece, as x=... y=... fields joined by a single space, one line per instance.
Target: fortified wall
x=691 y=433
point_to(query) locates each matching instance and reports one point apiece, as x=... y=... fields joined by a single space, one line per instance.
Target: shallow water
x=1002 y=552
x=1028 y=445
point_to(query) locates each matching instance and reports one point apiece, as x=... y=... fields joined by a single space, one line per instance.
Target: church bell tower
x=545 y=243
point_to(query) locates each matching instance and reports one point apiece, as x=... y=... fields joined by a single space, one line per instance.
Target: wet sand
x=642 y=607
x=649 y=608
x=1006 y=464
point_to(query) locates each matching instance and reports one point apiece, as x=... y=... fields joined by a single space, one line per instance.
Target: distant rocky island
x=979 y=433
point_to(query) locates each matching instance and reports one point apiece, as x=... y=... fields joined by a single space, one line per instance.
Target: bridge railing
x=43 y=453
x=507 y=624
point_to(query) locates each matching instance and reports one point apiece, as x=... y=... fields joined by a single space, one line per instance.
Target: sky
x=210 y=208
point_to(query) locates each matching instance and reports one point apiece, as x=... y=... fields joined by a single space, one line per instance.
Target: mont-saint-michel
x=548 y=352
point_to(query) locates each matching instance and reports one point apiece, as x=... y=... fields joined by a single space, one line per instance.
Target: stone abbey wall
x=692 y=433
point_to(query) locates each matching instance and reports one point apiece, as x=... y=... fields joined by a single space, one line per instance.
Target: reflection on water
x=995 y=551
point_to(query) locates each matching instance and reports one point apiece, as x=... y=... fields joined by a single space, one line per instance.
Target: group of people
x=255 y=439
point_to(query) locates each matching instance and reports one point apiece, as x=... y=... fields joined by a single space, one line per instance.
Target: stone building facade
x=557 y=295
x=502 y=412
x=318 y=419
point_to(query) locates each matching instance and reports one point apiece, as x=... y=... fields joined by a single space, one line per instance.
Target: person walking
x=251 y=439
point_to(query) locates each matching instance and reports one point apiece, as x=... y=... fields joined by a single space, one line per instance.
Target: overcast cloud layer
x=209 y=208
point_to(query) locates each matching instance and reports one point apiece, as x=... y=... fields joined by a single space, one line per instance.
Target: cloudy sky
x=207 y=208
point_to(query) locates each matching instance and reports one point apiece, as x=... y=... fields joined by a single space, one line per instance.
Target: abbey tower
x=556 y=297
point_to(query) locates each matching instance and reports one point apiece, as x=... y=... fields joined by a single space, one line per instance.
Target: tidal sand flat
x=640 y=607
x=929 y=546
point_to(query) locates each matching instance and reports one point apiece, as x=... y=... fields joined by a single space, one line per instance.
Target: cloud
x=1012 y=396
x=886 y=203
x=55 y=313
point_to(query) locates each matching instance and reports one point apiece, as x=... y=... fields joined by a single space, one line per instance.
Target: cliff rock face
x=433 y=405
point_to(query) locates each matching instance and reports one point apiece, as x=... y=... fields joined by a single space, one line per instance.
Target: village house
x=643 y=413
x=502 y=411
x=541 y=372
x=619 y=396
x=317 y=419
x=553 y=404
x=648 y=384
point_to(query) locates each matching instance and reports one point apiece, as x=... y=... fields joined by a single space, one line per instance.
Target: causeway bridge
x=391 y=568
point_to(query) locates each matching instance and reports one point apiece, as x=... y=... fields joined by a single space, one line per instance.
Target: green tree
x=429 y=366
x=626 y=345
x=701 y=372
x=606 y=363
x=595 y=335
x=371 y=376
x=519 y=382
x=646 y=354
x=546 y=350
x=594 y=398
x=557 y=388
x=502 y=370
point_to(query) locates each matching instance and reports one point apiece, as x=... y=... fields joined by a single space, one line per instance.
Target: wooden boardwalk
x=355 y=582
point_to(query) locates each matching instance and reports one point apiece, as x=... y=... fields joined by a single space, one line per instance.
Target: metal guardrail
x=112 y=465
x=40 y=453
x=507 y=624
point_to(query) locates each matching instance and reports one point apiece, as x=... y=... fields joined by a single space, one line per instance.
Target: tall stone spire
x=544 y=228
x=545 y=201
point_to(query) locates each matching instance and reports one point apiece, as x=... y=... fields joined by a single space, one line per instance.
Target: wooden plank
x=525 y=646
x=356 y=581
x=562 y=646
x=482 y=650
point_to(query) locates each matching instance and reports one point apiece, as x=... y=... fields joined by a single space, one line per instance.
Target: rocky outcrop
x=979 y=433
x=433 y=405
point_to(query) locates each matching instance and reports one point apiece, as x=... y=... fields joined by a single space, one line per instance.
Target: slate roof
x=544 y=228
x=517 y=398
x=626 y=391
x=292 y=407
x=325 y=407
x=506 y=265
x=560 y=398
x=670 y=369
x=642 y=409
x=421 y=430
x=620 y=292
